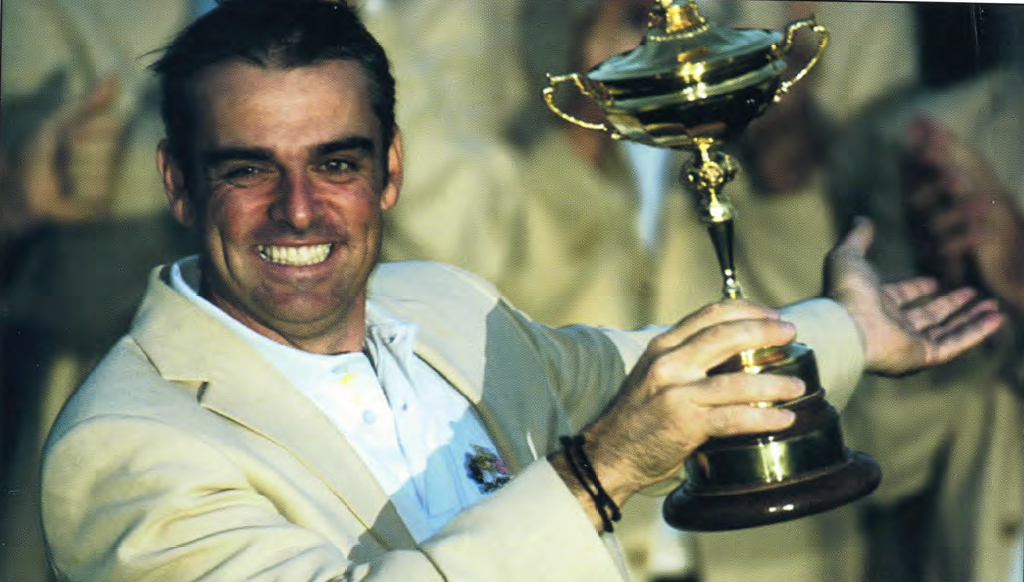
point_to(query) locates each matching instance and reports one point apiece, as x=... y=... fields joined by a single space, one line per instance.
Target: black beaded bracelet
x=587 y=477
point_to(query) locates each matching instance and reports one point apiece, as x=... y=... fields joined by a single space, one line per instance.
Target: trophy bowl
x=692 y=85
x=688 y=79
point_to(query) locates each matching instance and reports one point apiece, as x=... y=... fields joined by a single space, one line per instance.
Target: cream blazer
x=185 y=456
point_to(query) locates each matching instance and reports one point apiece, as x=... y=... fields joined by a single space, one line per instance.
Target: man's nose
x=296 y=203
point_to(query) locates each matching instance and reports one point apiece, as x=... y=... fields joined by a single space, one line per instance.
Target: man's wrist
x=572 y=463
x=561 y=466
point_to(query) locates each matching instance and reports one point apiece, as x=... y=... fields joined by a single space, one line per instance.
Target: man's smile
x=295 y=256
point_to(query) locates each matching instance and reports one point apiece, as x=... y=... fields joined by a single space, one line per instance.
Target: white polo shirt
x=419 y=436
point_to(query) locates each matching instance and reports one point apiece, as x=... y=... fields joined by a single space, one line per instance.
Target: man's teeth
x=295 y=256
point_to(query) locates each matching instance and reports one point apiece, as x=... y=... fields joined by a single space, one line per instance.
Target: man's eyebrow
x=215 y=156
x=361 y=144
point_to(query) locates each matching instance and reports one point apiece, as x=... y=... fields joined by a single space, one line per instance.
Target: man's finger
x=709 y=315
x=910 y=290
x=981 y=322
x=691 y=360
x=860 y=237
x=713 y=345
x=743 y=388
x=965 y=317
x=725 y=421
x=938 y=310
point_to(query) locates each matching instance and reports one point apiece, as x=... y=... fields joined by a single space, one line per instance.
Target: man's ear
x=174 y=186
x=389 y=197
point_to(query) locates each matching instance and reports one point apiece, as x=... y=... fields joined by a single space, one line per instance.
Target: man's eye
x=244 y=175
x=338 y=169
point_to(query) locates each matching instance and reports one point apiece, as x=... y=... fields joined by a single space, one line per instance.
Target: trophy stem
x=722 y=238
x=708 y=175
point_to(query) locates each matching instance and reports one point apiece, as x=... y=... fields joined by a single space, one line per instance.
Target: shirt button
x=369 y=417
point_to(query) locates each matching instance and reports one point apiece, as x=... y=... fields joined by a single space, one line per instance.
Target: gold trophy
x=692 y=85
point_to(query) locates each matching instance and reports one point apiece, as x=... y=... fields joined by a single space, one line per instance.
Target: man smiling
x=288 y=206
x=278 y=413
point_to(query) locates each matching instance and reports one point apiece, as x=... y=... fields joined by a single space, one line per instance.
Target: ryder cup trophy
x=692 y=85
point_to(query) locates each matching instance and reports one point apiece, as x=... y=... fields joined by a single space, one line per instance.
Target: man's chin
x=303 y=325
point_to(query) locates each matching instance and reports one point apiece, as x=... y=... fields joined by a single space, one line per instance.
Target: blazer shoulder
x=125 y=383
x=429 y=280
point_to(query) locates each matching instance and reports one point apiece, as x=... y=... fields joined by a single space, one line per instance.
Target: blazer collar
x=231 y=379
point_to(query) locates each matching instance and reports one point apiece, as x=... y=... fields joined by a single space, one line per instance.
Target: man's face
x=291 y=186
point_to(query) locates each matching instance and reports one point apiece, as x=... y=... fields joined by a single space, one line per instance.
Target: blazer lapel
x=460 y=335
x=510 y=429
x=234 y=381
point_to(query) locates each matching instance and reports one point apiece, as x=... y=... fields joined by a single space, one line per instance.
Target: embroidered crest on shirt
x=487 y=469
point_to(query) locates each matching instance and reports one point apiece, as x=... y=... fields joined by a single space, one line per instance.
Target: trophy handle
x=549 y=98
x=791 y=31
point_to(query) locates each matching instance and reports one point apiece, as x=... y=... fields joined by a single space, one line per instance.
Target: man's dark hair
x=269 y=33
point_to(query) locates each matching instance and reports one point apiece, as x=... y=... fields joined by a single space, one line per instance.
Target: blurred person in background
x=82 y=219
x=459 y=86
x=947 y=193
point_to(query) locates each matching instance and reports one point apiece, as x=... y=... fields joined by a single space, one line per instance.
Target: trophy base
x=707 y=511
x=752 y=480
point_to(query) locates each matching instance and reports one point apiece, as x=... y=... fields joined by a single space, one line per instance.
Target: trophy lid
x=689 y=79
x=679 y=38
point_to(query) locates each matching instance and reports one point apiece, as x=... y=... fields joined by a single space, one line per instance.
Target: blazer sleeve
x=824 y=325
x=129 y=498
x=827 y=328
